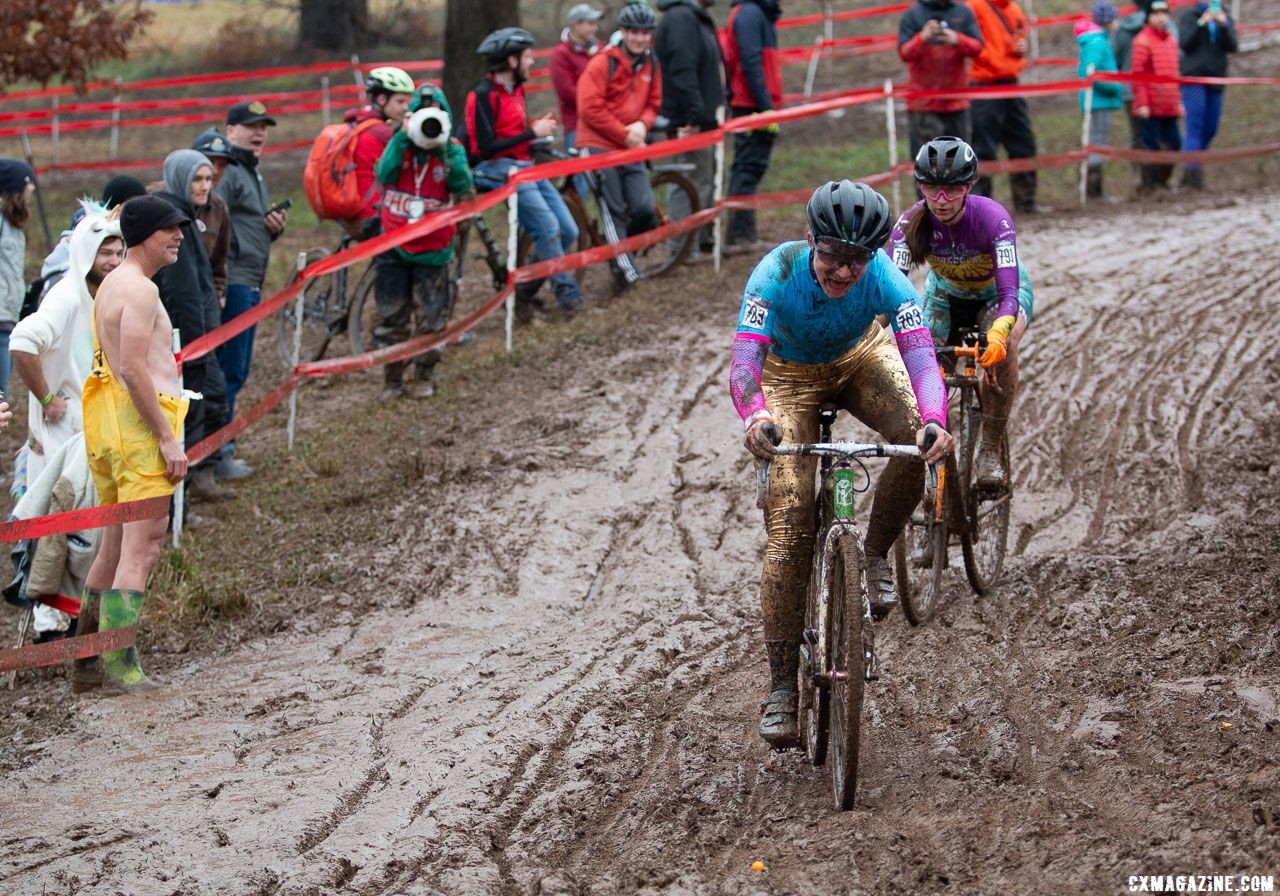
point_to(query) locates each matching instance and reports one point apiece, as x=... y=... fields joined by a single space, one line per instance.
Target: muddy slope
x=541 y=672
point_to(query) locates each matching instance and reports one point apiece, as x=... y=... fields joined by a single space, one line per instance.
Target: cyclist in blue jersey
x=976 y=277
x=807 y=334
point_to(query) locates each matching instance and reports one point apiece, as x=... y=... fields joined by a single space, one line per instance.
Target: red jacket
x=606 y=105
x=369 y=146
x=420 y=188
x=1156 y=53
x=938 y=67
x=749 y=45
x=999 y=59
x=568 y=60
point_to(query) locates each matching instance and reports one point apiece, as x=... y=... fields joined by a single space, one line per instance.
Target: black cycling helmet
x=849 y=213
x=946 y=160
x=505 y=42
x=637 y=17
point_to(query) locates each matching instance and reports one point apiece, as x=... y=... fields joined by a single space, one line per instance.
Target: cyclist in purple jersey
x=975 y=277
x=807 y=334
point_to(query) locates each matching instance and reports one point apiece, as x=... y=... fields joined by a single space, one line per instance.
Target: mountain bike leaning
x=837 y=649
x=962 y=507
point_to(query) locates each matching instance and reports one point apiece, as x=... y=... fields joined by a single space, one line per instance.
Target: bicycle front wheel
x=987 y=534
x=674 y=198
x=323 y=314
x=814 y=710
x=362 y=317
x=848 y=667
x=920 y=557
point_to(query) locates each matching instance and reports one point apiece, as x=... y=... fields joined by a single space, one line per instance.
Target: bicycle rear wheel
x=987 y=534
x=848 y=667
x=675 y=198
x=324 y=313
x=363 y=315
x=920 y=557
x=586 y=239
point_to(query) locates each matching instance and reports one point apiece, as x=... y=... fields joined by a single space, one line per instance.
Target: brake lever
x=762 y=484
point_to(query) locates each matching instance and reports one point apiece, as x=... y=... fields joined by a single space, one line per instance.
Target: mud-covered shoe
x=778 y=719
x=990 y=474
x=86 y=673
x=884 y=597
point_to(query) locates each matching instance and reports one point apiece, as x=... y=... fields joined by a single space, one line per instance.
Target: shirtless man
x=132 y=415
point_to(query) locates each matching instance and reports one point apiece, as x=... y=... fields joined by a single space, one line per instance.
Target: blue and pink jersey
x=976 y=253
x=785 y=311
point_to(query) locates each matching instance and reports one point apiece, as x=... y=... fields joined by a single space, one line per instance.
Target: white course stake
x=717 y=193
x=115 y=122
x=513 y=240
x=1035 y=29
x=891 y=125
x=1085 y=135
x=815 y=56
x=179 y=493
x=324 y=100
x=299 y=308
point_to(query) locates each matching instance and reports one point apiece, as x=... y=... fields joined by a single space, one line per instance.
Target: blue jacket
x=1095 y=51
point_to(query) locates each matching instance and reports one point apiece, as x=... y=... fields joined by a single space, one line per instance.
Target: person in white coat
x=52 y=347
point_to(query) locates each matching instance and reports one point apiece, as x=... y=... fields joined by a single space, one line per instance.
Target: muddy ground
x=507 y=641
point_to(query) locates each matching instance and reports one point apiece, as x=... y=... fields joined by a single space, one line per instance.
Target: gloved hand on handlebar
x=997 y=341
x=763 y=435
x=935 y=442
x=771 y=130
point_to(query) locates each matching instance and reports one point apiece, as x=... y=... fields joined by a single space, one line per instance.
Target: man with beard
x=52 y=347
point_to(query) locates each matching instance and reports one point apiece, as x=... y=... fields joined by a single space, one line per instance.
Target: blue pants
x=1204 y=110
x=581 y=185
x=544 y=216
x=6 y=363
x=236 y=353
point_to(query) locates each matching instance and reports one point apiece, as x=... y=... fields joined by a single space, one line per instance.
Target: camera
x=429 y=128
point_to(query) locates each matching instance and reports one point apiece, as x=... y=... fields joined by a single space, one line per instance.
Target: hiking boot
x=86 y=673
x=699 y=256
x=778 y=718
x=391 y=393
x=204 y=486
x=1193 y=177
x=192 y=521
x=421 y=389
x=884 y=597
x=230 y=468
x=121 y=669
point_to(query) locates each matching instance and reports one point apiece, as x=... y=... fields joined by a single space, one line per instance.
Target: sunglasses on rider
x=838 y=255
x=944 y=192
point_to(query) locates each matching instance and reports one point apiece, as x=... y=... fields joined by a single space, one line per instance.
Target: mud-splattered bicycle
x=837 y=651
x=959 y=508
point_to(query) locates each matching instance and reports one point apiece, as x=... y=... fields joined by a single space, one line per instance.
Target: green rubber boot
x=121 y=668
x=86 y=673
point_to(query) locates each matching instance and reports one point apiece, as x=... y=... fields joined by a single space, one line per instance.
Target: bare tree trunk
x=466 y=24
x=333 y=24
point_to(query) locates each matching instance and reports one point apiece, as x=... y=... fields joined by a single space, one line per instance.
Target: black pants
x=194 y=377
x=413 y=299
x=629 y=207
x=925 y=126
x=1005 y=123
x=751 y=151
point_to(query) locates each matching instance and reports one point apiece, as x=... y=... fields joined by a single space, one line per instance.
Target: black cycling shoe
x=884 y=597
x=778 y=719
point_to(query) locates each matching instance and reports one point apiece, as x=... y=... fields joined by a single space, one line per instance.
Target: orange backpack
x=329 y=178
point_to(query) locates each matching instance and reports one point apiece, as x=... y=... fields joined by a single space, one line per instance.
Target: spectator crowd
x=671 y=71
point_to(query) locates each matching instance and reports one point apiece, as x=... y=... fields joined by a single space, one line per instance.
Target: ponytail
x=917 y=234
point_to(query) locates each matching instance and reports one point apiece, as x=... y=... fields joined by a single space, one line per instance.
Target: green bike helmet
x=388 y=79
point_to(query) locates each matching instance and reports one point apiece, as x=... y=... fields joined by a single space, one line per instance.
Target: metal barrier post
x=53 y=134
x=324 y=100
x=299 y=308
x=115 y=122
x=891 y=125
x=1085 y=135
x=717 y=193
x=513 y=246
x=179 y=493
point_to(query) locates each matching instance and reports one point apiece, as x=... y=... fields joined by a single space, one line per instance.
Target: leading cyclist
x=807 y=334
x=975 y=277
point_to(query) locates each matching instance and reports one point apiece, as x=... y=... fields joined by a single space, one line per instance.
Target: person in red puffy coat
x=1156 y=106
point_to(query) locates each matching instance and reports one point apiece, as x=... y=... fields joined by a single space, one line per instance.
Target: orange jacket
x=607 y=104
x=999 y=60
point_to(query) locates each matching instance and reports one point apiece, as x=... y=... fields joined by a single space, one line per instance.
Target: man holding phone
x=255 y=224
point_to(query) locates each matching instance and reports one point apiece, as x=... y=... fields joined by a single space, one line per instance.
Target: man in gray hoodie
x=254 y=226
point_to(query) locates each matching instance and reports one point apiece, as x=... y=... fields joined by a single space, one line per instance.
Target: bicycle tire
x=675 y=197
x=985 y=538
x=920 y=585
x=362 y=316
x=321 y=301
x=813 y=718
x=845 y=621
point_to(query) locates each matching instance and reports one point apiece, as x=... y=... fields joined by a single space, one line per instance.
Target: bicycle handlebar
x=848 y=449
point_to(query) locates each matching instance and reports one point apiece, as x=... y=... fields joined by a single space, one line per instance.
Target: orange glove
x=997 y=341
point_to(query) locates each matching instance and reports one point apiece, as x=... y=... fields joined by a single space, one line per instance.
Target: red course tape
x=64 y=650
